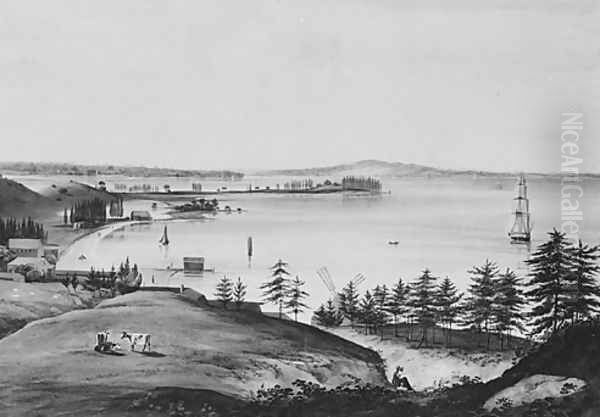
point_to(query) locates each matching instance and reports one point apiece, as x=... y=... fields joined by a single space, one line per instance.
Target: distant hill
x=18 y=200
x=57 y=168
x=68 y=192
x=383 y=169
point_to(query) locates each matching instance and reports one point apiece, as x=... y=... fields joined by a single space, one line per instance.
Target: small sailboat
x=250 y=250
x=164 y=240
x=520 y=231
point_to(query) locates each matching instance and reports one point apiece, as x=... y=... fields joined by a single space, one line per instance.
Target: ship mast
x=521 y=229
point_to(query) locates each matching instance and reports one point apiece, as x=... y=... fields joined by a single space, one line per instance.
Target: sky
x=210 y=84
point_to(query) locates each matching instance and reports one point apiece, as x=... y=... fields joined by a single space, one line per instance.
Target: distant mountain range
x=383 y=169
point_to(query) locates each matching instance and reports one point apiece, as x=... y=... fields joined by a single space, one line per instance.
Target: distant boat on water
x=520 y=231
x=393 y=242
x=164 y=240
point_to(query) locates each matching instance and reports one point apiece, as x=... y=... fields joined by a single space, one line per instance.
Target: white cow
x=137 y=338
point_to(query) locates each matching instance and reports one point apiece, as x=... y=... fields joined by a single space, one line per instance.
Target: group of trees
x=91 y=211
x=100 y=279
x=295 y=185
x=562 y=288
x=229 y=292
x=280 y=290
x=11 y=228
x=361 y=183
x=286 y=293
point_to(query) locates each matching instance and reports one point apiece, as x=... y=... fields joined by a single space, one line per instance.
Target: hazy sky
x=281 y=83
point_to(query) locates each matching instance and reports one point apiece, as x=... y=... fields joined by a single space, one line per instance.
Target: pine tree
x=481 y=296
x=275 y=290
x=328 y=316
x=367 y=311
x=349 y=302
x=239 y=293
x=508 y=305
x=295 y=296
x=550 y=269
x=583 y=290
x=380 y=295
x=397 y=304
x=423 y=302
x=447 y=299
x=224 y=291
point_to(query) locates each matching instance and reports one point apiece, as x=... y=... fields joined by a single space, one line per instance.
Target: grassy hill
x=194 y=347
x=18 y=200
x=67 y=193
x=21 y=303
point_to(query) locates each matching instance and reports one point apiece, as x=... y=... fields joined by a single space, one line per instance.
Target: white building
x=26 y=248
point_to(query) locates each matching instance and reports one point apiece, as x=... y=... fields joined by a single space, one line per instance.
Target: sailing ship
x=520 y=232
x=164 y=240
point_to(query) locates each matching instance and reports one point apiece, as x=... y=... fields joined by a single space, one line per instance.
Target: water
x=446 y=225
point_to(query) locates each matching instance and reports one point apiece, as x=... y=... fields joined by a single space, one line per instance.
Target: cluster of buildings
x=29 y=258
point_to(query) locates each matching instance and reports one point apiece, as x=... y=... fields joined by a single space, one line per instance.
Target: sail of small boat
x=521 y=228
x=164 y=240
x=250 y=249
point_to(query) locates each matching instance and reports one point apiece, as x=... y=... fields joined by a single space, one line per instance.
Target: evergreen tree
x=224 y=291
x=380 y=295
x=239 y=293
x=275 y=290
x=508 y=305
x=583 y=290
x=447 y=299
x=423 y=302
x=481 y=297
x=397 y=304
x=550 y=268
x=349 y=302
x=367 y=311
x=328 y=316
x=295 y=296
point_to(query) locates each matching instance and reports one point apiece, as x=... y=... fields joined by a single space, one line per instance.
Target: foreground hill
x=50 y=365
x=18 y=200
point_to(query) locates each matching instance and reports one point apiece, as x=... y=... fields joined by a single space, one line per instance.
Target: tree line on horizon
x=26 y=228
x=562 y=289
x=352 y=182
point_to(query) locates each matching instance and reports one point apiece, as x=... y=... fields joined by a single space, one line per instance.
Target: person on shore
x=399 y=381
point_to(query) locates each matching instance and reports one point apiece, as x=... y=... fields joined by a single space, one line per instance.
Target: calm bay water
x=447 y=225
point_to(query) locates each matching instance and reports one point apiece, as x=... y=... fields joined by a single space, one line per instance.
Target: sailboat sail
x=521 y=228
x=164 y=240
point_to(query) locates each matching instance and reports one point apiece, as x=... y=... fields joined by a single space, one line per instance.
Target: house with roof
x=26 y=248
x=23 y=265
x=142 y=215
